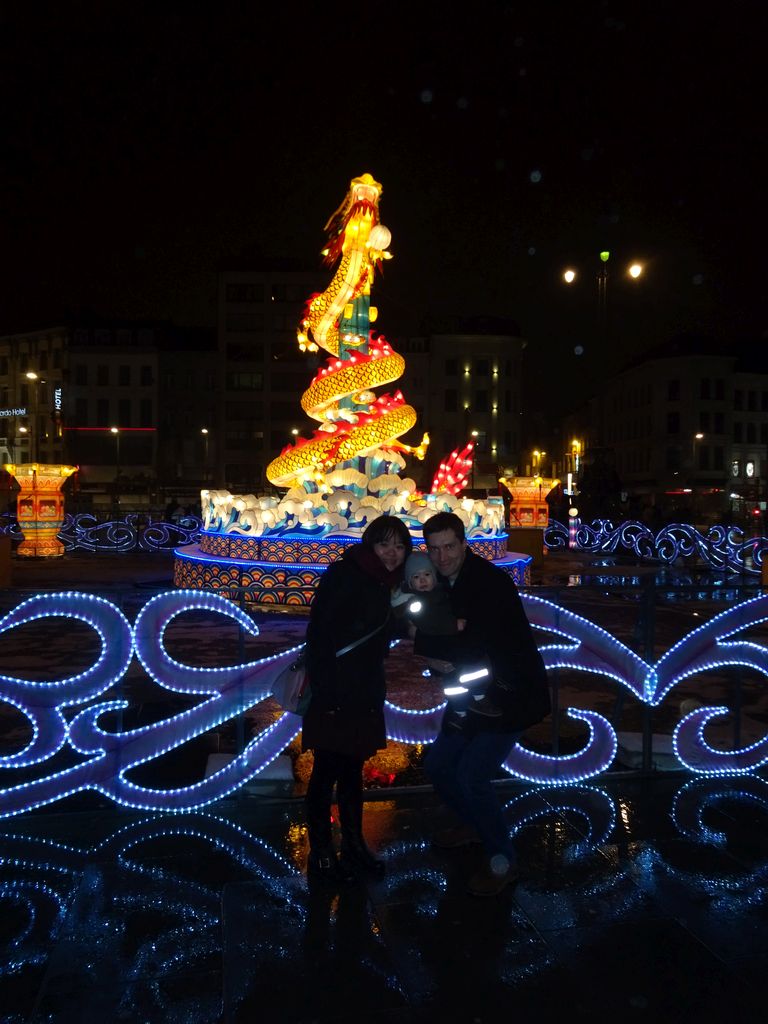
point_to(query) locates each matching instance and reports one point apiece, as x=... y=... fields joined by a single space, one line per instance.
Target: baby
x=427 y=606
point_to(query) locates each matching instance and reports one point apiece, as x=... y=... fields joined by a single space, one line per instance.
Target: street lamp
x=696 y=437
x=115 y=431
x=204 y=432
x=634 y=271
x=34 y=439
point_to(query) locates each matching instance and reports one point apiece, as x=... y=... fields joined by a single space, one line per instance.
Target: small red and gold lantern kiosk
x=40 y=507
x=529 y=500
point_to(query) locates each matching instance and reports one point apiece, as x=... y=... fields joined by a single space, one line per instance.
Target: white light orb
x=380 y=237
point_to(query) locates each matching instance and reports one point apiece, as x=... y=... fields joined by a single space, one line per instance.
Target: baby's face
x=421 y=581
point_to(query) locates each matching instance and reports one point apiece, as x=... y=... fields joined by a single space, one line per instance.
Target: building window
x=145 y=412
x=102 y=376
x=738 y=432
x=451 y=367
x=673 y=390
x=673 y=422
x=718 y=461
x=481 y=401
x=243 y=381
x=704 y=421
x=145 y=376
x=705 y=391
x=738 y=399
x=242 y=352
x=719 y=423
x=81 y=412
x=751 y=433
x=752 y=401
x=236 y=322
x=673 y=458
x=450 y=402
x=102 y=412
x=124 y=412
x=719 y=389
x=81 y=374
x=244 y=293
x=481 y=367
x=124 y=376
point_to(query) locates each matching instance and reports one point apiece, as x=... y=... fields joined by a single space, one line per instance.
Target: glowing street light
x=115 y=432
x=204 y=432
x=34 y=440
x=569 y=276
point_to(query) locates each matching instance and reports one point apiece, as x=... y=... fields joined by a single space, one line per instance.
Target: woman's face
x=391 y=552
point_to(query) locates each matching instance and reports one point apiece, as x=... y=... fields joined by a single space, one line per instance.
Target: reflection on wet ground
x=640 y=898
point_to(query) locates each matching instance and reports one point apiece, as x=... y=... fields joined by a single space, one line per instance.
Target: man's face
x=446 y=552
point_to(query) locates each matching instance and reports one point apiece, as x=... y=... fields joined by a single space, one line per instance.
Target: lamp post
x=115 y=431
x=204 y=432
x=34 y=439
x=696 y=437
x=634 y=271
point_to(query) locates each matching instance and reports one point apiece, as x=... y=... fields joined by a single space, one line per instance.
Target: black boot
x=324 y=866
x=355 y=853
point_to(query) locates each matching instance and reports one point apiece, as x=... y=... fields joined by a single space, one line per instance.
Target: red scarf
x=367 y=560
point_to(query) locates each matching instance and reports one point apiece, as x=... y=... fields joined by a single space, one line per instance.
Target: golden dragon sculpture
x=353 y=421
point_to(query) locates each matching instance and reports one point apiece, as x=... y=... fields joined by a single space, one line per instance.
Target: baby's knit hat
x=418 y=561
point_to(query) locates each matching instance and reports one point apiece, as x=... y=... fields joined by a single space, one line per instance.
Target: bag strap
x=356 y=643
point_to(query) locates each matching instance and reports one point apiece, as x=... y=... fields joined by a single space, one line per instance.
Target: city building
x=261 y=372
x=687 y=429
x=464 y=377
x=123 y=401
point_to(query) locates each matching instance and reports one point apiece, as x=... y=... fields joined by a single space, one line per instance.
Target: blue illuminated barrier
x=722 y=547
x=65 y=714
x=133 y=532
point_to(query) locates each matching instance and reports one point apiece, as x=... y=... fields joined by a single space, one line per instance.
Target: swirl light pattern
x=722 y=548
x=67 y=715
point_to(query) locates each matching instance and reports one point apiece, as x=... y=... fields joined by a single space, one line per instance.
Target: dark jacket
x=498 y=630
x=346 y=714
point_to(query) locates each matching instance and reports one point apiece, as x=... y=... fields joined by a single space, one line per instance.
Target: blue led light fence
x=70 y=714
x=721 y=548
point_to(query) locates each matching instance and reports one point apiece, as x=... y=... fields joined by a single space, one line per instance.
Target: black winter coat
x=498 y=630
x=346 y=714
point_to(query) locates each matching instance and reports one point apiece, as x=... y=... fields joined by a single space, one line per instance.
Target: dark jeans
x=461 y=770
x=346 y=773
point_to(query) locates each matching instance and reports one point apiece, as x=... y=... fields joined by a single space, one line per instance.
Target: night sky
x=148 y=145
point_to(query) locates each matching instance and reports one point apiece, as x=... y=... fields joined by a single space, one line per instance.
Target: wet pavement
x=641 y=898
x=638 y=900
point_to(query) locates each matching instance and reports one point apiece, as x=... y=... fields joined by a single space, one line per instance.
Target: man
x=471 y=746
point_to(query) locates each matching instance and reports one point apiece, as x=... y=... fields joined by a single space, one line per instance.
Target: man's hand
x=443 y=667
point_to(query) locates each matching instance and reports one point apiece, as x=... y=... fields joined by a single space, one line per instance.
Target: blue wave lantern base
x=66 y=716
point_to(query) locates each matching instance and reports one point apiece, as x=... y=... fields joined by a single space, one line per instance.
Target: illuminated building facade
x=465 y=376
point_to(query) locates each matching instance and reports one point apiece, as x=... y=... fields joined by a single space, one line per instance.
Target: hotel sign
x=7 y=413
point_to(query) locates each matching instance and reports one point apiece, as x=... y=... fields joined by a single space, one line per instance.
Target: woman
x=347 y=640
